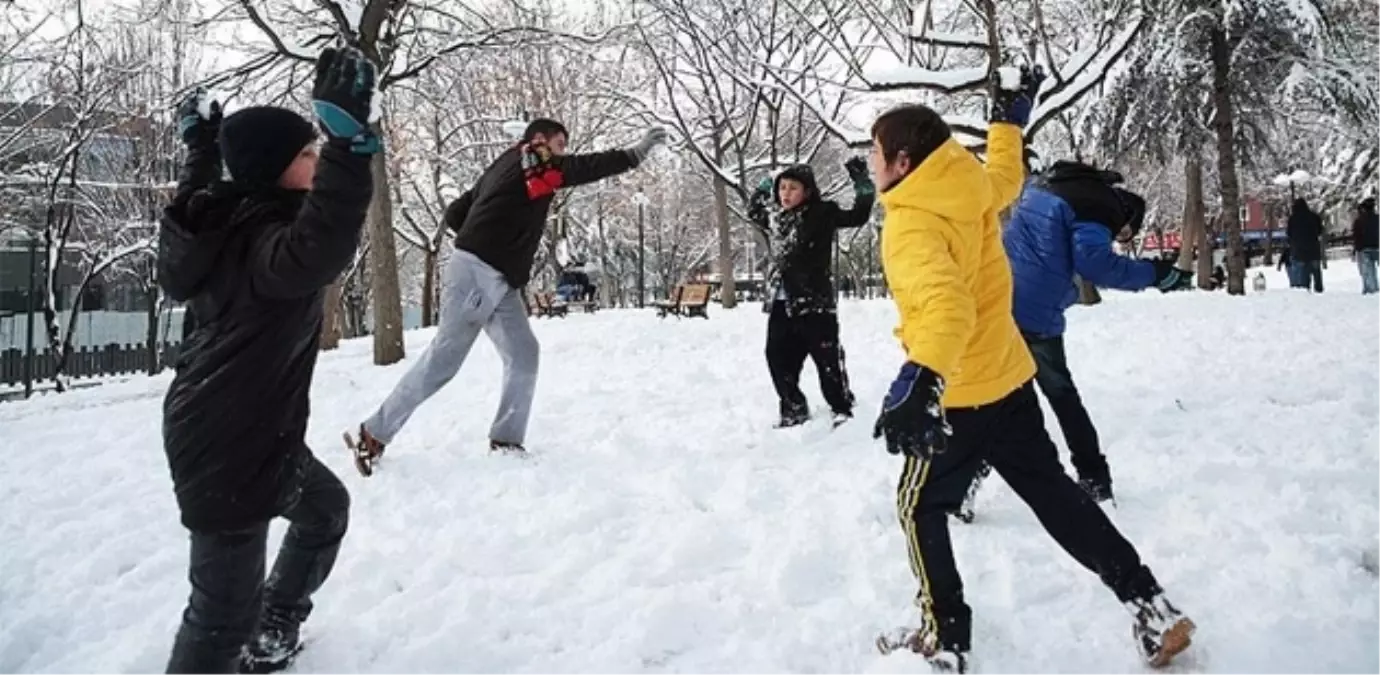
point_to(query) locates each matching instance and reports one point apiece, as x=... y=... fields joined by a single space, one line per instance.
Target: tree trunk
x=1205 y=255
x=383 y=268
x=1270 y=214
x=1224 y=125
x=429 y=288
x=728 y=291
x=1193 y=228
x=330 y=317
x=1087 y=292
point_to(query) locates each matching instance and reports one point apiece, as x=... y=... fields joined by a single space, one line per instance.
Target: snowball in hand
x=1010 y=77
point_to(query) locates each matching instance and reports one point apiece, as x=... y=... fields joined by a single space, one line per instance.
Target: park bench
x=686 y=300
x=543 y=304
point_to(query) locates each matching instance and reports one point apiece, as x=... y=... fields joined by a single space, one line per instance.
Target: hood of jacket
x=195 y=228
x=950 y=183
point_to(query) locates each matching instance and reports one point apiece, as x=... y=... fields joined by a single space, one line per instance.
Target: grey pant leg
x=512 y=335
x=464 y=311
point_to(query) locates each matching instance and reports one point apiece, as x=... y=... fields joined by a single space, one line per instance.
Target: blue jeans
x=1056 y=383
x=1301 y=272
x=229 y=594
x=1367 y=259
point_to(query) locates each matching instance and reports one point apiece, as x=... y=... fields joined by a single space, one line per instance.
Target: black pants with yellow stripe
x=1010 y=436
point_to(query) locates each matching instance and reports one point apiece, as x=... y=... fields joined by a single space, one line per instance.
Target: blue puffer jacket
x=1047 y=244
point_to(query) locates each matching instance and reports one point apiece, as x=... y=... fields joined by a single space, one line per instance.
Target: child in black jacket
x=250 y=257
x=800 y=226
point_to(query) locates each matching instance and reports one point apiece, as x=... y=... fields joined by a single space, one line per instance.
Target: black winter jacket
x=1305 y=233
x=1365 y=231
x=501 y=218
x=801 y=239
x=251 y=266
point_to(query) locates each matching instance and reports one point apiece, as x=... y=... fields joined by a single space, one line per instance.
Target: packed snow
x=662 y=525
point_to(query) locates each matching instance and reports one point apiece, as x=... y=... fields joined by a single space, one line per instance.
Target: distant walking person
x=498 y=227
x=1305 y=245
x=1365 y=244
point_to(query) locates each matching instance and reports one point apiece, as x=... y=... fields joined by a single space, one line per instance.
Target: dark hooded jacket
x=501 y=219
x=1365 y=230
x=251 y=265
x=1305 y=233
x=801 y=239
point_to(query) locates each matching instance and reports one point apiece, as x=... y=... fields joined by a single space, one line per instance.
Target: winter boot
x=273 y=646
x=925 y=642
x=507 y=448
x=840 y=417
x=367 y=451
x=1161 y=631
x=793 y=415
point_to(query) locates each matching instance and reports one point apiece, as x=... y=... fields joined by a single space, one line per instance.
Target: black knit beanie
x=259 y=143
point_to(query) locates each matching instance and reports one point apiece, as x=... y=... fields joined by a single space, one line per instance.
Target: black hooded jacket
x=1305 y=233
x=501 y=219
x=251 y=265
x=801 y=239
x=1365 y=230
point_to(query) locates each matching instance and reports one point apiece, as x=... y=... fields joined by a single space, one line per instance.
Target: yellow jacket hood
x=950 y=183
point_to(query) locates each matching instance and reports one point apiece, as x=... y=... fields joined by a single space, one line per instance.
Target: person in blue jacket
x=1064 y=225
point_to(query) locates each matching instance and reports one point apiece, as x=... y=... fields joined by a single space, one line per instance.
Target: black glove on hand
x=341 y=97
x=198 y=119
x=912 y=418
x=1014 y=105
x=1170 y=278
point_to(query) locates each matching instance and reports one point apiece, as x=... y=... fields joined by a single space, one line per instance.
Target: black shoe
x=273 y=648
x=1099 y=490
x=840 y=417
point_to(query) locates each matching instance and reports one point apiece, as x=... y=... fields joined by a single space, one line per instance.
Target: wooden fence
x=112 y=359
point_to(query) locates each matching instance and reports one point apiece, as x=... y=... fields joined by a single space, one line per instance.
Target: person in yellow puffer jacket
x=964 y=395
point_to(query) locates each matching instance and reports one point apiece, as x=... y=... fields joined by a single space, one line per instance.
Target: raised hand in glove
x=912 y=418
x=1014 y=95
x=654 y=137
x=198 y=119
x=341 y=98
x=857 y=170
x=1170 y=278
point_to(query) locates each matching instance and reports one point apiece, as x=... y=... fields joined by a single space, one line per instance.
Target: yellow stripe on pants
x=913 y=476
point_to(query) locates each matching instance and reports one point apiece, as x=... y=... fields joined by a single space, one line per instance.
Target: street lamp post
x=641 y=251
x=29 y=327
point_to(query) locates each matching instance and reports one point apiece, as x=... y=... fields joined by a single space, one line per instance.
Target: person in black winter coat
x=800 y=226
x=1305 y=232
x=498 y=226
x=251 y=256
x=1365 y=244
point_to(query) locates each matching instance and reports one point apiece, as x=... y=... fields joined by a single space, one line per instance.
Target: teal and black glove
x=198 y=119
x=341 y=98
x=857 y=170
x=1168 y=277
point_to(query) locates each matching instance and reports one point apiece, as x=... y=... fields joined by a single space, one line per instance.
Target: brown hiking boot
x=1161 y=630
x=367 y=451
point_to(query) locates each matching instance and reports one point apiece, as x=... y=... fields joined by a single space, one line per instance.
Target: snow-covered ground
x=663 y=526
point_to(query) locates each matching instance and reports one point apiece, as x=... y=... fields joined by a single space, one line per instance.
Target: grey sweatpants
x=474 y=296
